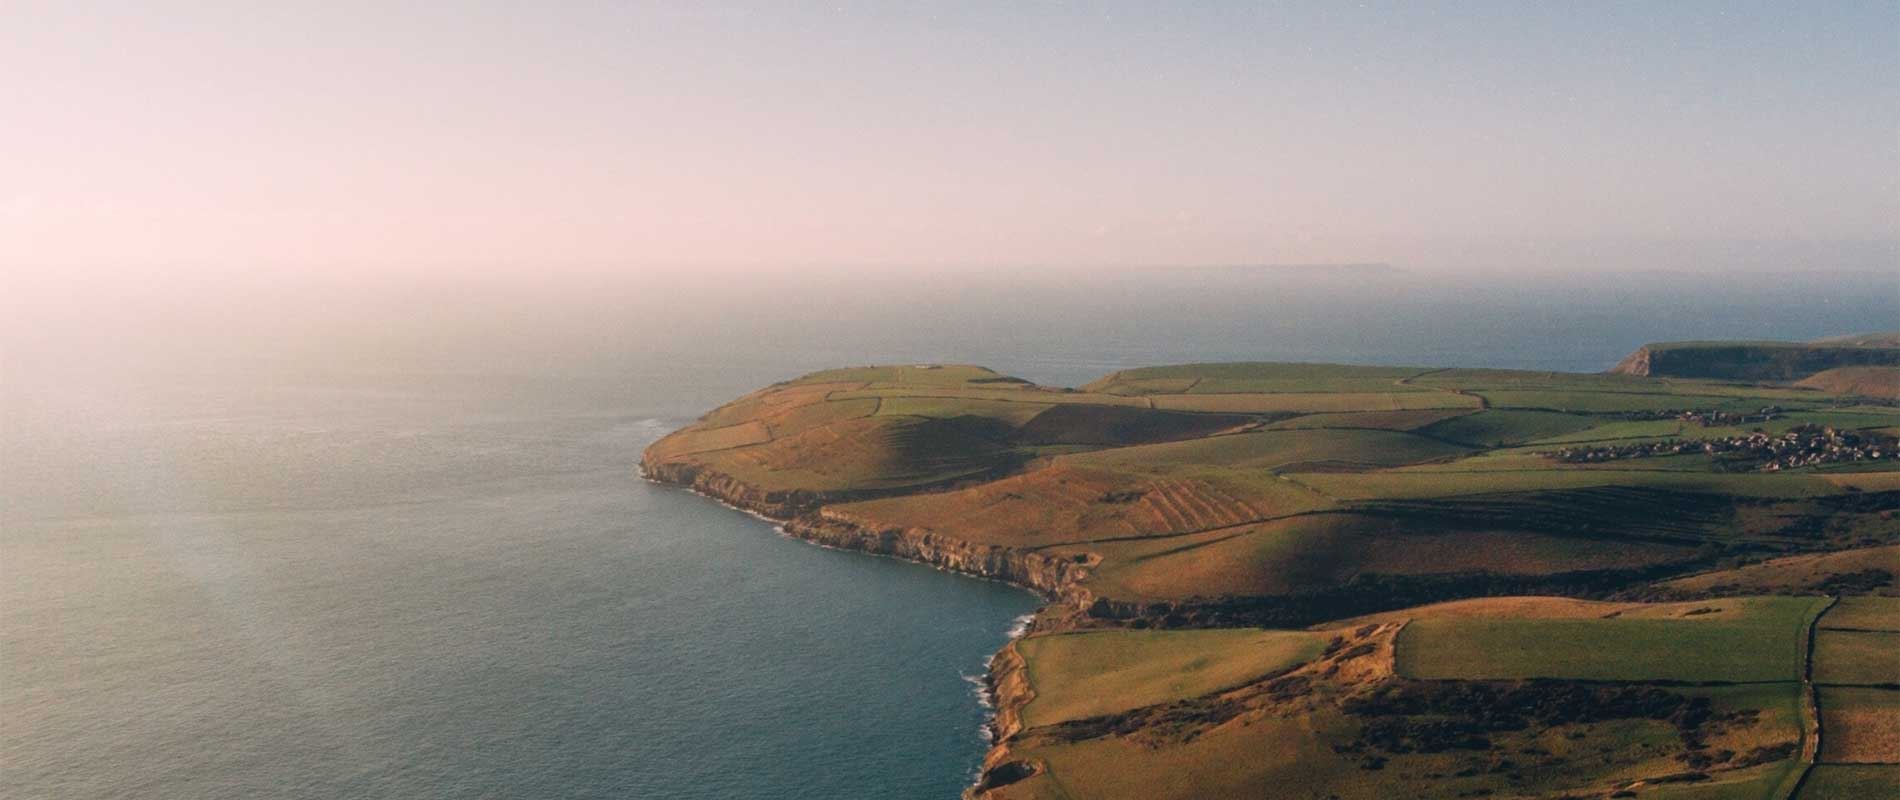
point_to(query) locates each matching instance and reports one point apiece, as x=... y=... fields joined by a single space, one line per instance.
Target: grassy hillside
x=1876 y=382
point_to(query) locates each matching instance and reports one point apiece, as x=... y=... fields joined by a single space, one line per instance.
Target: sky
x=150 y=142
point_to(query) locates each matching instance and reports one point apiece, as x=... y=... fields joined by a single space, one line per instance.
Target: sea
x=391 y=542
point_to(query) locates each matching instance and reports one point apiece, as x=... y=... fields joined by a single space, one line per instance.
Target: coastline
x=1004 y=688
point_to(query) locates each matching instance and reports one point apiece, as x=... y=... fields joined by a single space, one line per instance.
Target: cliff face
x=1636 y=363
x=1762 y=361
x=1010 y=691
x=804 y=516
x=1052 y=577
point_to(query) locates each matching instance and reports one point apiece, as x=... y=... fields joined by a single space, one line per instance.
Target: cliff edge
x=1761 y=361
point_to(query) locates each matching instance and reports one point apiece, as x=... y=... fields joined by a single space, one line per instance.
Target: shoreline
x=996 y=692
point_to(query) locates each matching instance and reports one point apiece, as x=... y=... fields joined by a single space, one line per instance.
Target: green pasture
x=1312 y=402
x=1499 y=427
x=1266 y=450
x=1245 y=377
x=1766 y=643
x=1014 y=413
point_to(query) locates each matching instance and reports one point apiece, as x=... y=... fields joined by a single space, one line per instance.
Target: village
x=1804 y=446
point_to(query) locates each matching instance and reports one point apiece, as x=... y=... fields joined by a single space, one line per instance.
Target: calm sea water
x=435 y=575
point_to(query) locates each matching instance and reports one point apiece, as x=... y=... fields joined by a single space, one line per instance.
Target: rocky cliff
x=1751 y=361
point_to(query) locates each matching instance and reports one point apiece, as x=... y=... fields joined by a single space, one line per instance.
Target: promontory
x=1675 y=580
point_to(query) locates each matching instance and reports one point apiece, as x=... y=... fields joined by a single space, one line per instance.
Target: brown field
x=1860 y=725
x=1865 y=481
x=1856 y=657
x=706 y=440
x=1864 y=613
x=795 y=419
x=1880 y=382
x=1809 y=573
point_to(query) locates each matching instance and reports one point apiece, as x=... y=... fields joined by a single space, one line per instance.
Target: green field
x=1014 y=413
x=1506 y=427
x=1613 y=402
x=1312 y=402
x=1762 y=642
x=1234 y=378
x=1268 y=450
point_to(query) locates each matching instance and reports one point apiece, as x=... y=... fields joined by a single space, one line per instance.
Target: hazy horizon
x=163 y=143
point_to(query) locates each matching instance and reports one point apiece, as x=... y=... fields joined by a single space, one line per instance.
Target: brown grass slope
x=1881 y=383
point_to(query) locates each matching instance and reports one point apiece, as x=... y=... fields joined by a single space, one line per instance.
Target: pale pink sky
x=153 y=138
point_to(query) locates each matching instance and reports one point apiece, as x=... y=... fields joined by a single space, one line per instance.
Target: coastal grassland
x=705 y=440
x=1761 y=640
x=1619 y=402
x=911 y=375
x=1273 y=450
x=1001 y=393
x=1256 y=378
x=1317 y=553
x=1856 y=657
x=1610 y=429
x=801 y=417
x=877 y=453
x=1116 y=426
x=1861 y=724
x=1403 y=420
x=1535 y=379
x=1069 y=502
x=1313 y=402
x=1850 y=782
x=1449 y=481
x=1086 y=674
x=1505 y=427
x=768 y=401
x=1013 y=413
